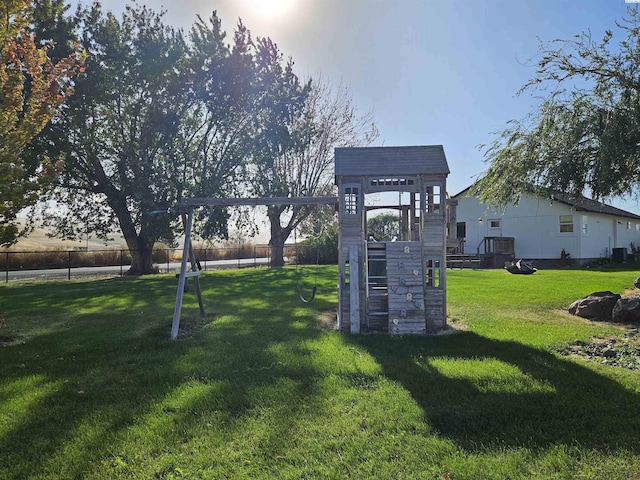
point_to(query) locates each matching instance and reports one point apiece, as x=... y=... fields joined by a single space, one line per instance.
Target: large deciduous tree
x=585 y=136
x=328 y=119
x=33 y=88
x=119 y=131
x=156 y=118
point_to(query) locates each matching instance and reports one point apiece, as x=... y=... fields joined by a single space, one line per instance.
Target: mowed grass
x=92 y=387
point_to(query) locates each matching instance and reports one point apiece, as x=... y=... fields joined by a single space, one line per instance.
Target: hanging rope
x=315 y=275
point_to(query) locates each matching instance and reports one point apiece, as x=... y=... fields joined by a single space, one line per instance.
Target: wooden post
x=354 y=288
x=194 y=266
x=183 y=278
x=405 y=224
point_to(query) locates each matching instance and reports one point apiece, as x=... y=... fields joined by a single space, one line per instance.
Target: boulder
x=637 y=283
x=627 y=310
x=598 y=305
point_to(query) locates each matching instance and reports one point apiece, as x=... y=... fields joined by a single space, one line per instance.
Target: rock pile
x=622 y=351
x=597 y=306
x=608 y=306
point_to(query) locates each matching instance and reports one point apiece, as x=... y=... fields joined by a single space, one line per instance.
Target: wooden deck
x=462 y=260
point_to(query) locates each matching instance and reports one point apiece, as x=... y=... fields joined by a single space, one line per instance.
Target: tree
x=118 y=133
x=228 y=111
x=328 y=120
x=383 y=227
x=33 y=88
x=156 y=118
x=585 y=136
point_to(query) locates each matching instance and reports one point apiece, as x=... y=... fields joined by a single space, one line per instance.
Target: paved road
x=173 y=267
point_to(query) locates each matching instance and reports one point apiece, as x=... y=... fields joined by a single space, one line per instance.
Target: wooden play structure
x=398 y=286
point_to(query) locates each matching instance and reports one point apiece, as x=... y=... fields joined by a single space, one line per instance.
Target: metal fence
x=56 y=264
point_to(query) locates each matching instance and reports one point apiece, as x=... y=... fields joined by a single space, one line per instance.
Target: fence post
x=121 y=254
x=168 y=258
x=69 y=266
x=6 y=266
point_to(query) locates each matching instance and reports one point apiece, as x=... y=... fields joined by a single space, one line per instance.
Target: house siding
x=535 y=225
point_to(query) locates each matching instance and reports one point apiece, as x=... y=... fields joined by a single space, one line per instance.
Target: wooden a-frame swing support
x=188 y=206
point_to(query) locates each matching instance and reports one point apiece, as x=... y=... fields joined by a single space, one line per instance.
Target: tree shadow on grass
x=79 y=391
x=484 y=393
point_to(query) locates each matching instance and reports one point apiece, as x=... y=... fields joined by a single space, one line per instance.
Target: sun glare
x=270 y=9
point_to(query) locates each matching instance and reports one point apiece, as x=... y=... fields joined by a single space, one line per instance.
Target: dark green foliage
x=119 y=135
x=160 y=116
x=322 y=249
x=383 y=227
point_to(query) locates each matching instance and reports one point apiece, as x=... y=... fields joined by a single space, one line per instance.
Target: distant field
x=38 y=240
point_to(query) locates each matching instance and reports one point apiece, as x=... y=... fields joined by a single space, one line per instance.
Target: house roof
x=413 y=160
x=583 y=204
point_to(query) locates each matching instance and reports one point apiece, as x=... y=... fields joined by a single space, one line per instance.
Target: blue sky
x=433 y=72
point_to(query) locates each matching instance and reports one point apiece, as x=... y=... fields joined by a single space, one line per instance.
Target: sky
x=431 y=71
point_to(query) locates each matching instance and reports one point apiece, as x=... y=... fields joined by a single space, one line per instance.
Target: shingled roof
x=414 y=160
x=582 y=204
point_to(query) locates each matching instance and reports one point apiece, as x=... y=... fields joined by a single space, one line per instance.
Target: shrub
x=58 y=258
x=322 y=249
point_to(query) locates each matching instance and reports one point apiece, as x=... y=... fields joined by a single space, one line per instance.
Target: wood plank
x=407 y=329
x=229 y=202
x=354 y=289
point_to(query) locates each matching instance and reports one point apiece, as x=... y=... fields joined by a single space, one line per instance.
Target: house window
x=628 y=225
x=351 y=200
x=637 y=227
x=433 y=272
x=494 y=223
x=434 y=199
x=566 y=223
x=584 y=225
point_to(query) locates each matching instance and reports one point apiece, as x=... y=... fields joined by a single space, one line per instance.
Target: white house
x=547 y=230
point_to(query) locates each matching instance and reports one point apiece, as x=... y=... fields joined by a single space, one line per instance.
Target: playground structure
x=396 y=287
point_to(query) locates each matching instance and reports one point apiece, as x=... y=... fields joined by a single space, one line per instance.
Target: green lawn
x=91 y=386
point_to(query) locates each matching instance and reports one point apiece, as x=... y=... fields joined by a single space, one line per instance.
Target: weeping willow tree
x=584 y=138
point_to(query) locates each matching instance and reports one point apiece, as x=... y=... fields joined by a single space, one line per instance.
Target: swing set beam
x=188 y=207
x=276 y=201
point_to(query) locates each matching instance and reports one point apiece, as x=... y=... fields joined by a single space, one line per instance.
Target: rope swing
x=315 y=274
x=313 y=293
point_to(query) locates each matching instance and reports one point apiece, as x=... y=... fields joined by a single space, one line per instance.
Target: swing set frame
x=187 y=208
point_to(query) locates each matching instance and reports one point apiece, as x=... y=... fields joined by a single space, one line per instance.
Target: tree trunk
x=141 y=258
x=277 y=252
x=278 y=237
x=140 y=245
